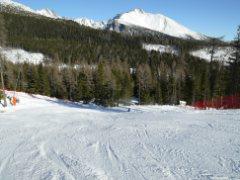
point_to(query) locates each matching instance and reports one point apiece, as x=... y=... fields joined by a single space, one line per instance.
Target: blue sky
x=211 y=17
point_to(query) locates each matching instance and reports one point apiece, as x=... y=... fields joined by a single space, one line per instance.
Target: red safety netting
x=226 y=102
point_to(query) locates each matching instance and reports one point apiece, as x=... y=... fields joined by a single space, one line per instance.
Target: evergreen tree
x=104 y=90
x=43 y=81
x=84 y=88
x=31 y=79
x=3 y=32
x=234 y=67
x=145 y=84
x=188 y=89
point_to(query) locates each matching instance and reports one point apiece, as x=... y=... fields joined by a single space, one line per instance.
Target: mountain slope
x=134 y=22
x=48 y=13
x=153 y=22
x=15 y=7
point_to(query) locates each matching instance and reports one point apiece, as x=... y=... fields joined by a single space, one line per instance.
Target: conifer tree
x=31 y=77
x=43 y=81
x=145 y=84
x=3 y=32
x=234 y=67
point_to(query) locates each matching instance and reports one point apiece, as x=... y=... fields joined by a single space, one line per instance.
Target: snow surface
x=19 y=56
x=46 y=138
x=91 y=23
x=160 y=48
x=222 y=54
x=156 y=22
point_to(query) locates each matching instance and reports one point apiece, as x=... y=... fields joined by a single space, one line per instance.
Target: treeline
x=105 y=83
x=108 y=68
x=166 y=79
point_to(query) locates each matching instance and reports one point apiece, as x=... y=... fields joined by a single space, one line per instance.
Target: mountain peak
x=48 y=13
x=91 y=23
x=138 y=10
x=155 y=22
x=136 y=18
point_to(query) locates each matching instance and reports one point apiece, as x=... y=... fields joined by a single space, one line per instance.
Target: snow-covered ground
x=160 y=48
x=19 y=55
x=222 y=54
x=46 y=138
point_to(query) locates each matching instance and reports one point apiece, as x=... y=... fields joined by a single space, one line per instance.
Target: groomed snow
x=19 y=56
x=45 y=138
x=160 y=48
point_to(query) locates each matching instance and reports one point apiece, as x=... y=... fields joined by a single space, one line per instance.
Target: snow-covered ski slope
x=45 y=138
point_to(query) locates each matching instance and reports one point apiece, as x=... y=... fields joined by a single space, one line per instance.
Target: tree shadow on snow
x=89 y=106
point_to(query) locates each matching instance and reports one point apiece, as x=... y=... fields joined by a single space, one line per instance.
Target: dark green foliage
x=94 y=66
x=3 y=31
x=1 y=95
x=233 y=86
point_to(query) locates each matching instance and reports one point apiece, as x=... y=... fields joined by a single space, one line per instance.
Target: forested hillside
x=107 y=67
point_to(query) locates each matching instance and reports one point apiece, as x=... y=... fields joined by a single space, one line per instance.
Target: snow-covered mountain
x=153 y=22
x=91 y=23
x=12 y=6
x=48 y=13
x=135 y=21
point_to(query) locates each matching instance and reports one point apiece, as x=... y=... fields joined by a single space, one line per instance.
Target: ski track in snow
x=44 y=138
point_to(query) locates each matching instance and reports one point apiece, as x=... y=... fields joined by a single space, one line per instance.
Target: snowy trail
x=44 y=138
